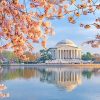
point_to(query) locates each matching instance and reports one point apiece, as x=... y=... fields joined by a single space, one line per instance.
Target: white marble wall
x=66 y=54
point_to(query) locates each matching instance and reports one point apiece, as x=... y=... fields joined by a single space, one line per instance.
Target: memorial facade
x=66 y=49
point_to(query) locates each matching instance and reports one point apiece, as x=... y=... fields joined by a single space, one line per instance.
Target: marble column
x=67 y=54
x=57 y=54
x=60 y=54
x=71 y=54
x=76 y=53
x=64 y=54
x=53 y=54
x=80 y=54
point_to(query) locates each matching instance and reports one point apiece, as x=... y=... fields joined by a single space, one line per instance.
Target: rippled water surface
x=58 y=83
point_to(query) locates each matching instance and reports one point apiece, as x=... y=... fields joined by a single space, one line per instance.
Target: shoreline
x=54 y=65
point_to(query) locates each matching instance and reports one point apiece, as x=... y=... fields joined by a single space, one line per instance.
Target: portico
x=68 y=54
x=66 y=49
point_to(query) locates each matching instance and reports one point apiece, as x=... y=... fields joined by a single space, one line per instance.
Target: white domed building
x=66 y=50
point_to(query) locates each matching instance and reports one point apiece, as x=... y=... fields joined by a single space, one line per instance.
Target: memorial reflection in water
x=52 y=83
x=67 y=78
x=62 y=77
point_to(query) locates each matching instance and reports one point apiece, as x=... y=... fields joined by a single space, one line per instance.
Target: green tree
x=10 y=56
x=87 y=74
x=45 y=55
x=87 y=56
x=0 y=62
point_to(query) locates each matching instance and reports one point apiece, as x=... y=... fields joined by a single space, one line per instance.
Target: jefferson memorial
x=66 y=50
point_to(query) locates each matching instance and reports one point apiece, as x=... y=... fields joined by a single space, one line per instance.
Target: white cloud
x=51 y=43
x=88 y=48
x=92 y=31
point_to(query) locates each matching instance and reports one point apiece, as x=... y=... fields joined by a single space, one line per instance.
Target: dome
x=66 y=42
x=70 y=86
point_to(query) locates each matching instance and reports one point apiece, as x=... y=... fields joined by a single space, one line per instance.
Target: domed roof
x=66 y=42
x=70 y=86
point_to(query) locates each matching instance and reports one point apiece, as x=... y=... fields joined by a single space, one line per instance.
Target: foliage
x=87 y=56
x=23 y=24
x=0 y=62
x=9 y=56
x=32 y=57
x=19 y=73
x=45 y=55
x=87 y=74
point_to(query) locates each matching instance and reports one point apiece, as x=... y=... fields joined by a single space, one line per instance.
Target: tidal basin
x=50 y=83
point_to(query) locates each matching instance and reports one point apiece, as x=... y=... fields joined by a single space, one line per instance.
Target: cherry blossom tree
x=25 y=22
x=94 y=43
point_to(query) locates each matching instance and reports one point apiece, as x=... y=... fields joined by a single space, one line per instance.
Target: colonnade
x=61 y=75
x=68 y=76
x=68 y=54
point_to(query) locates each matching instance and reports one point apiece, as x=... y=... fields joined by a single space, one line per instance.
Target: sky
x=65 y=30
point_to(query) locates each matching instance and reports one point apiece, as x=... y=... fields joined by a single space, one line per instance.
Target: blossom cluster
x=23 y=24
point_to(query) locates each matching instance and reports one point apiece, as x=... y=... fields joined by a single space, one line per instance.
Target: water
x=58 y=83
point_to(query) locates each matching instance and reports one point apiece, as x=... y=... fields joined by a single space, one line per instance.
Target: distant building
x=66 y=50
x=96 y=58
